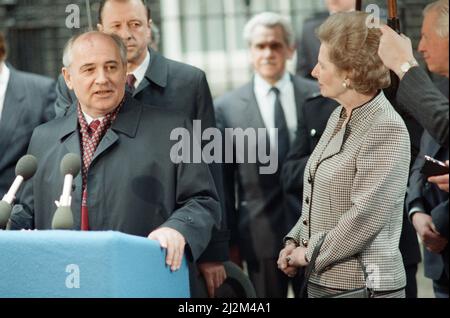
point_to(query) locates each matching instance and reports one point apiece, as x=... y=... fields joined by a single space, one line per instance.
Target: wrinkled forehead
x=95 y=49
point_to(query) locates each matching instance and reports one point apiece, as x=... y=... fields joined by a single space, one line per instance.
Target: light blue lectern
x=68 y=264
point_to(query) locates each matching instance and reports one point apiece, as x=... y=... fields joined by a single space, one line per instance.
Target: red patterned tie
x=91 y=135
x=131 y=80
x=88 y=154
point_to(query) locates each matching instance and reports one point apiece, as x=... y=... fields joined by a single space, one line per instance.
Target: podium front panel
x=72 y=264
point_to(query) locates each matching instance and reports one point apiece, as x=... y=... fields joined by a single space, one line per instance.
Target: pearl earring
x=344 y=84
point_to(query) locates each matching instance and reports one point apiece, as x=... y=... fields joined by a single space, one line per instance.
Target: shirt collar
x=264 y=87
x=89 y=119
x=139 y=72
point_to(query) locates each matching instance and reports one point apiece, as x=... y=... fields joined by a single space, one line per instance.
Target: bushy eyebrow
x=87 y=65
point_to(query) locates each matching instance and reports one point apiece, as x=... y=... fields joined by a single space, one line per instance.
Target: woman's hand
x=297 y=257
x=283 y=259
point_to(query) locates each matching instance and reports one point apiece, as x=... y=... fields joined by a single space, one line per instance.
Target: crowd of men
x=118 y=100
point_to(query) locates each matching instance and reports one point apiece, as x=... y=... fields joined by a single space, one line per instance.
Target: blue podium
x=71 y=264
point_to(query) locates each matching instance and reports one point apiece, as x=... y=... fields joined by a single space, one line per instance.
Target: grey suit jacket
x=257 y=215
x=177 y=87
x=354 y=188
x=28 y=103
x=426 y=103
x=133 y=186
x=433 y=201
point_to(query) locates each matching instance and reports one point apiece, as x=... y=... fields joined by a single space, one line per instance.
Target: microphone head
x=5 y=213
x=26 y=167
x=71 y=164
x=63 y=219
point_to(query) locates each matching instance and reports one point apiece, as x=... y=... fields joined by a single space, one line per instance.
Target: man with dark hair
x=157 y=81
x=26 y=101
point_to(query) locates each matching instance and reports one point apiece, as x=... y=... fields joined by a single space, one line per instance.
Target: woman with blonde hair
x=355 y=180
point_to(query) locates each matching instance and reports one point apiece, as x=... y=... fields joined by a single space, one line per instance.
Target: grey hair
x=68 y=49
x=441 y=7
x=269 y=20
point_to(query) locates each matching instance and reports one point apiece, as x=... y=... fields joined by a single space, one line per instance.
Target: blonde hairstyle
x=353 y=48
x=441 y=8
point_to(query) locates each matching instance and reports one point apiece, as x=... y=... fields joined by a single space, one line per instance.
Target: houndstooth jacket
x=355 y=183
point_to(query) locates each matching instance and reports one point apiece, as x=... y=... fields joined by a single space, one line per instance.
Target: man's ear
x=100 y=27
x=67 y=78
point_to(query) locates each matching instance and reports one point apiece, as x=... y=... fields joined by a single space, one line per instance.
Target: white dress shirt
x=4 y=79
x=89 y=119
x=139 y=72
x=266 y=103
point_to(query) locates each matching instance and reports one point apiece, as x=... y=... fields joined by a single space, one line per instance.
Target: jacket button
x=305 y=222
x=305 y=242
x=313 y=132
x=189 y=219
x=307 y=200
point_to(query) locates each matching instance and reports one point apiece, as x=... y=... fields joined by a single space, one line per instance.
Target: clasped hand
x=291 y=258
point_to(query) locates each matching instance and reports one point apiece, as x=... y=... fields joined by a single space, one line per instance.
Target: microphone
x=63 y=218
x=25 y=169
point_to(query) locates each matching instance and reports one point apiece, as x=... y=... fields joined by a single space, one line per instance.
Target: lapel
x=127 y=122
x=328 y=146
x=70 y=139
x=359 y=120
x=335 y=145
x=12 y=108
x=253 y=116
x=433 y=146
x=157 y=72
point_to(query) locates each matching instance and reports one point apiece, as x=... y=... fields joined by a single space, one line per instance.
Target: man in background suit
x=256 y=209
x=417 y=94
x=26 y=101
x=312 y=122
x=426 y=203
x=157 y=81
x=308 y=45
x=428 y=210
x=129 y=181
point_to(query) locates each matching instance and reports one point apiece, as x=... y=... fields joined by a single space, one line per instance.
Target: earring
x=344 y=84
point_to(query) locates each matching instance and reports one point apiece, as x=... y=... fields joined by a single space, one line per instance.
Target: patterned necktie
x=281 y=125
x=91 y=135
x=131 y=80
x=93 y=127
x=88 y=153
